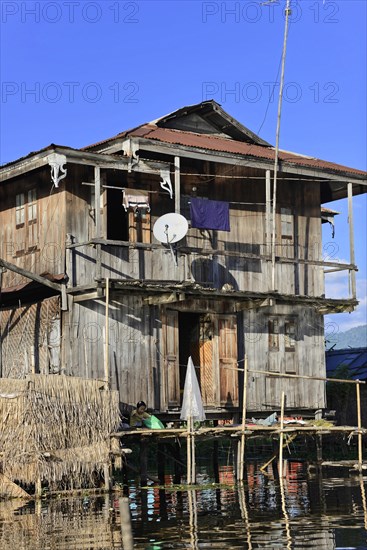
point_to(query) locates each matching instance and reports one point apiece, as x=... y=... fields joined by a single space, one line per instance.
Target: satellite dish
x=170 y=228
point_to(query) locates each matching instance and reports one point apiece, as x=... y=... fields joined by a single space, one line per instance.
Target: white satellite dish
x=170 y=228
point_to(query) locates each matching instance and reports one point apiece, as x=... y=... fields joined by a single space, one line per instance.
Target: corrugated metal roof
x=204 y=141
x=354 y=359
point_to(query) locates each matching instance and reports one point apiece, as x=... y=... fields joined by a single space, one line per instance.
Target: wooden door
x=227 y=352
x=171 y=357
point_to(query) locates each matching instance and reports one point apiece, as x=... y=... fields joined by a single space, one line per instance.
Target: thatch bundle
x=55 y=429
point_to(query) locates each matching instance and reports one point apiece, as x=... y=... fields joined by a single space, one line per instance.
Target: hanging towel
x=207 y=214
x=135 y=198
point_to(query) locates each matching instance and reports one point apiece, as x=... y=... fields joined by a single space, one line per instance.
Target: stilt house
x=88 y=291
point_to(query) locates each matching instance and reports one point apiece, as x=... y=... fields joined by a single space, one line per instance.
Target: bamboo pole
x=281 y=436
x=188 y=446
x=244 y=407
x=193 y=457
x=106 y=356
x=359 y=421
x=125 y=520
x=305 y=377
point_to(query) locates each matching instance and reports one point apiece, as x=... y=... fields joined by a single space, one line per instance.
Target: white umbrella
x=192 y=404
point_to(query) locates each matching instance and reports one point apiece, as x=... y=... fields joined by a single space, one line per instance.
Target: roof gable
x=208 y=117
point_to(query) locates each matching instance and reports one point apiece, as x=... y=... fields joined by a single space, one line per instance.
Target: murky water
x=303 y=512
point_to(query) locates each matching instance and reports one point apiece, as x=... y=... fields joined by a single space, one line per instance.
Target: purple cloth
x=207 y=214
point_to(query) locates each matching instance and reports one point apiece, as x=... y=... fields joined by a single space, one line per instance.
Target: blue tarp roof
x=354 y=359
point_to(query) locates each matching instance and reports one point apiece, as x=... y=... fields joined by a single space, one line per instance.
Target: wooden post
x=359 y=421
x=107 y=478
x=107 y=328
x=177 y=186
x=215 y=461
x=352 y=273
x=143 y=462
x=193 y=456
x=268 y=210
x=97 y=209
x=244 y=407
x=188 y=446
x=125 y=520
x=161 y=462
x=38 y=487
x=177 y=463
x=281 y=436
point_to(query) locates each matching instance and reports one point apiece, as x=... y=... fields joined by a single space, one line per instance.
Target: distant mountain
x=353 y=338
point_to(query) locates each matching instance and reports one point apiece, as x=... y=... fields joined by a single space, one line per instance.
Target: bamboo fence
x=55 y=430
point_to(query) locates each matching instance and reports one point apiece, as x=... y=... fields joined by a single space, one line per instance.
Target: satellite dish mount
x=169 y=229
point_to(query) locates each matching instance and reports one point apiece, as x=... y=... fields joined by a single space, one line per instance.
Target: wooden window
x=273 y=334
x=289 y=335
x=287 y=225
x=19 y=209
x=26 y=221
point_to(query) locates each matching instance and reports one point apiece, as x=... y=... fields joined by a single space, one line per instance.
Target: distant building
x=347 y=363
x=236 y=284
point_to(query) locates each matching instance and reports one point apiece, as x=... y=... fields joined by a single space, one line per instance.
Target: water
x=302 y=513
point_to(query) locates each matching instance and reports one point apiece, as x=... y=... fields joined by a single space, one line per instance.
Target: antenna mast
x=287 y=13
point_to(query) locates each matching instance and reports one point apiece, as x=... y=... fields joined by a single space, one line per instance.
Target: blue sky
x=75 y=72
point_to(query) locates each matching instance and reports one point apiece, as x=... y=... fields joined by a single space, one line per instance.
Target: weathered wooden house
x=77 y=242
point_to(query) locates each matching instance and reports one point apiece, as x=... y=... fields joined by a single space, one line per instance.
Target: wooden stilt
x=359 y=422
x=38 y=487
x=143 y=462
x=161 y=458
x=244 y=409
x=125 y=520
x=281 y=436
x=177 y=463
x=107 y=477
x=193 y=455
x=215 y=462
x=188 y=450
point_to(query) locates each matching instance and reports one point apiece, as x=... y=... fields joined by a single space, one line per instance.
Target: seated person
x=138 y=415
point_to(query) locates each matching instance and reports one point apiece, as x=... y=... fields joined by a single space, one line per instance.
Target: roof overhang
x=76 y=156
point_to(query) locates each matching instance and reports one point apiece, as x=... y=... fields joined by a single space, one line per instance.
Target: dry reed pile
x=55 y=429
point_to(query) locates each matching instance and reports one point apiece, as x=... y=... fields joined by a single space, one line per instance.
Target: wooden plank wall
x=48 y=254
x=133 y=356
x=309 y=358
x=247 y=235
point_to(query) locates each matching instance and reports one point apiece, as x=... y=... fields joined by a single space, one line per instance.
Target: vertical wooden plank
x=171 y=352
x=268 y=210
x=352 y=273
x=177 y=186
x=227 y=343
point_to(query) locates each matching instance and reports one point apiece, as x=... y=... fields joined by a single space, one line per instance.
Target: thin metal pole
x=359 y=422
x=281 y=436
x=287 y=13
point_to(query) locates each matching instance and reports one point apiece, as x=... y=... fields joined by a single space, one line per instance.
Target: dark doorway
x=117 y=217
x=196 y=339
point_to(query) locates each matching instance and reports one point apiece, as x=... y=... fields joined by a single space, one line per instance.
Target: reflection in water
x=299 y=512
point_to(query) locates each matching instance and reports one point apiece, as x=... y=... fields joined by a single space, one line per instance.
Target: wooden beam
x=165 y=298
x=352 y=273
x=86 y=297
x=30 y=275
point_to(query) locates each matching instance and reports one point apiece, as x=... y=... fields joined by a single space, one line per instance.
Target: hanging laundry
x=206 y=214
x=135 y=198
